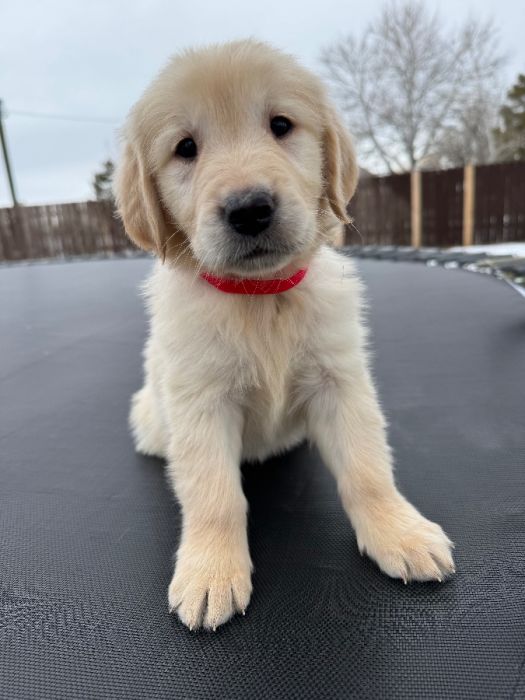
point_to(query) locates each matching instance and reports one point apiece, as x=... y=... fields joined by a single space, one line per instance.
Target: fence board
x=442 y=195
x=500 y=203
x=381 y=211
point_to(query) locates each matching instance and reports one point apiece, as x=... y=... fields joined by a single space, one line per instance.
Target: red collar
x=253 y=286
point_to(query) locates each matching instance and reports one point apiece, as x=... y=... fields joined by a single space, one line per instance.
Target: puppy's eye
x=187 y=148
x=280 y=126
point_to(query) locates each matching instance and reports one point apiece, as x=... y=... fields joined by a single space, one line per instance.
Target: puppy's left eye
x=280 y=126
x=187 y=148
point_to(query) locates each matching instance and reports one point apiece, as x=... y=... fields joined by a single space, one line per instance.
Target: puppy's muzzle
x=249 y=212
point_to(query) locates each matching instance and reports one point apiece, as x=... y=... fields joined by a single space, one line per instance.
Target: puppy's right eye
x=187 y=148
x=280 y=126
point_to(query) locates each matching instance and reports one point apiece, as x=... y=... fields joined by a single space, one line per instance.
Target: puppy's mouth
x=257 y=253
x=261 y=258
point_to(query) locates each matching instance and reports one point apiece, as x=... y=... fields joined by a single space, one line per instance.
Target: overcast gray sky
x=93 y=59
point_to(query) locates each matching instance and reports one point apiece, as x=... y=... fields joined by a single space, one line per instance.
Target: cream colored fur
x=231 y=378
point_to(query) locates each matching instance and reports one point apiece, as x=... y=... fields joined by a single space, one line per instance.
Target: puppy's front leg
x=212 y=579
x=347 y=424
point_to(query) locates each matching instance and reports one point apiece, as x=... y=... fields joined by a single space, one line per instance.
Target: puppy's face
x=235 y=161
x=240 y=169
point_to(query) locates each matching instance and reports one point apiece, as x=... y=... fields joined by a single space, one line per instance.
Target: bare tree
x=409 y=79
x=469 y=138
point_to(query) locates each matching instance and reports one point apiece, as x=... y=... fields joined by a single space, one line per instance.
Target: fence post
x=415 y=209
x=469 y=201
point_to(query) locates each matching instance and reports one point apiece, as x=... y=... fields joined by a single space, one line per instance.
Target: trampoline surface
x=88 y=528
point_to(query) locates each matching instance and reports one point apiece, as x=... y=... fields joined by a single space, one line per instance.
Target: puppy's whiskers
x=351 y=223
x=198 y=270
x=185 y=247
x=165 y=244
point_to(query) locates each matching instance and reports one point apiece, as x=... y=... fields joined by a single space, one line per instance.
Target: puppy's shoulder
x=334 y=281
x=181 y=303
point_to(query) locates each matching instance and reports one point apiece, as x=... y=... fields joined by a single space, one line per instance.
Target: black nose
x=249 y=212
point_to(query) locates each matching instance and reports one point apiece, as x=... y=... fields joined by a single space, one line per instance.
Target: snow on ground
x=494 y=249
x=511 y=249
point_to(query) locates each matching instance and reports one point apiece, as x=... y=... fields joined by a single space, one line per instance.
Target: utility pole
x=6 y=159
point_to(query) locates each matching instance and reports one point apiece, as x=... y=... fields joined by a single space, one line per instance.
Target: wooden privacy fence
x=483 y=204
x=461 y=206
x=61 y=230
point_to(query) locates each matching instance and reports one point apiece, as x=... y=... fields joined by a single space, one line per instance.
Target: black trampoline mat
x=89 y=528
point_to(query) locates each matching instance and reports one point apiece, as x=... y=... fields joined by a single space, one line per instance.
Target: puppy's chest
x=269 y=386
x=270 y=355
x=271 y=412
x=270 y=371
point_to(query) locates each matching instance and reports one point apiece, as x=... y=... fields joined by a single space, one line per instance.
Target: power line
x=63 y=117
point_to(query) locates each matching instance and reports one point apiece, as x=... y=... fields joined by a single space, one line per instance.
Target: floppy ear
x=138 y=202
x=340 y=166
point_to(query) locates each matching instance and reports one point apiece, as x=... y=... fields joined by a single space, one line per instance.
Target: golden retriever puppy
x=236 y=170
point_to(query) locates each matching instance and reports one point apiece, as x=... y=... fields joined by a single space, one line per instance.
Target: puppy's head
x=234 y=161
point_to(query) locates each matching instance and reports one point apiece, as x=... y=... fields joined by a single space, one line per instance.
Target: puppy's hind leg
x=146 y=424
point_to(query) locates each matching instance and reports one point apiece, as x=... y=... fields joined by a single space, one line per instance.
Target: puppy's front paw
x=406 y=545
x=206 y=591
